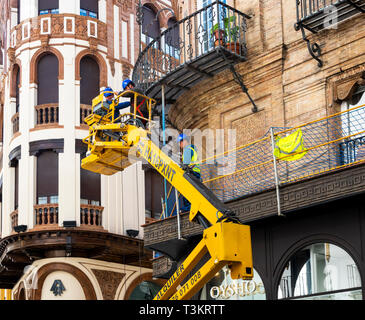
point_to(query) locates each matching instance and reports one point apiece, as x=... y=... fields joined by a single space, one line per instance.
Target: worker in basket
x=109 y=95
x=141 y=106
x=189 y=159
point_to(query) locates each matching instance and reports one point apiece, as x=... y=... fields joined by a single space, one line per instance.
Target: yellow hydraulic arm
x=113 y=146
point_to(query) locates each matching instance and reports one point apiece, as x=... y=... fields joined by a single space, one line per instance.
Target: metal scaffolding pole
x=275 y=172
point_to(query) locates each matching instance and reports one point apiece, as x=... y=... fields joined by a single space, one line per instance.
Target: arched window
x=47 y=75
x=90 y=79
x=320 y=271
x=47 y=177
x=150 y=25
x=89 y=8
x=48 y=6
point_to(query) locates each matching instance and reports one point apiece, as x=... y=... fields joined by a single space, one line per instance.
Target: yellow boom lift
x=114 y=144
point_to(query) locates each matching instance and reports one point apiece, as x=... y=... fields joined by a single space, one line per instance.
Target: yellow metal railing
x=330 y=143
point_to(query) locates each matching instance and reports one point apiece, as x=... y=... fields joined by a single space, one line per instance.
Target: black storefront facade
x=315 y=250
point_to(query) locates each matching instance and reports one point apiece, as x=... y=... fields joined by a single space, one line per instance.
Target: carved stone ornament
x=44 y=40
x=108 y=282
x=11 y=55
x=93 y=44
x=126 y=5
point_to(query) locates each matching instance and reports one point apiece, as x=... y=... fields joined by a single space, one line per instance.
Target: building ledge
x=162 y=235
x=20 y=250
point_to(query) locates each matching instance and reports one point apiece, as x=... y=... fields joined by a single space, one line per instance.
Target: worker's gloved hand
x=186 y=167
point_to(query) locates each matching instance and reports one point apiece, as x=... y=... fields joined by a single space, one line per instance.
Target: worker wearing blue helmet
x=189 y=158
x=141 y=105
x=109 y=95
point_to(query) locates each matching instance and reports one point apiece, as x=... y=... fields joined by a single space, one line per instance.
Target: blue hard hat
x=108 y=92
x=182 y=137
x=126 y=82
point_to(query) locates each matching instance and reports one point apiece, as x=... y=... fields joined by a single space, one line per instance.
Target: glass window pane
x=43 y=12
x=42 y=200
x=93 y=15
x=319 y=268
x=83 y=12
x=55 y=11
x=53 y=199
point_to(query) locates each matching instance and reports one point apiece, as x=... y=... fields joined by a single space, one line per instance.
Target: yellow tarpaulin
x=291 y=144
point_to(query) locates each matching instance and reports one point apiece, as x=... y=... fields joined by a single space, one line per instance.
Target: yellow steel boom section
x=113 y=146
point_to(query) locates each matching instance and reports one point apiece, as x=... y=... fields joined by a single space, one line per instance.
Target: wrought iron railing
x=316 y=15
x=352 y=150
x=216 y=26
x=309 y=8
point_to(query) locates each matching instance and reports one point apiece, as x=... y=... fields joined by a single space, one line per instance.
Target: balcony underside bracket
x=238 y=79
x=314 y=49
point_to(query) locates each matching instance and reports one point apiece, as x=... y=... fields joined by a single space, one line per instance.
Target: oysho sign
x=237 y=289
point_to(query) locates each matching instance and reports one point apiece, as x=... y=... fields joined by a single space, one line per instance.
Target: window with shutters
x=90 y=187
x=89 y=8
x=90 y=79
x=16 y=185
x=47 y=75
x=48 y=6
x=153 y=194
x=47 y=177
x=150 y=25
x=17 y=84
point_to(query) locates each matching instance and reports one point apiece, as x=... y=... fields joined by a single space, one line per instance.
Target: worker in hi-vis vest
x=189 y=158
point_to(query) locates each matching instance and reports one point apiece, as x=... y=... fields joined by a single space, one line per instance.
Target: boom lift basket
x=109 y=140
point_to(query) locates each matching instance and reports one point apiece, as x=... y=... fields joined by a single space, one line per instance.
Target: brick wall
x=286 y=83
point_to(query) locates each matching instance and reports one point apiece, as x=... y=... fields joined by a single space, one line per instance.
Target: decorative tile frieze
x=59 y=26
